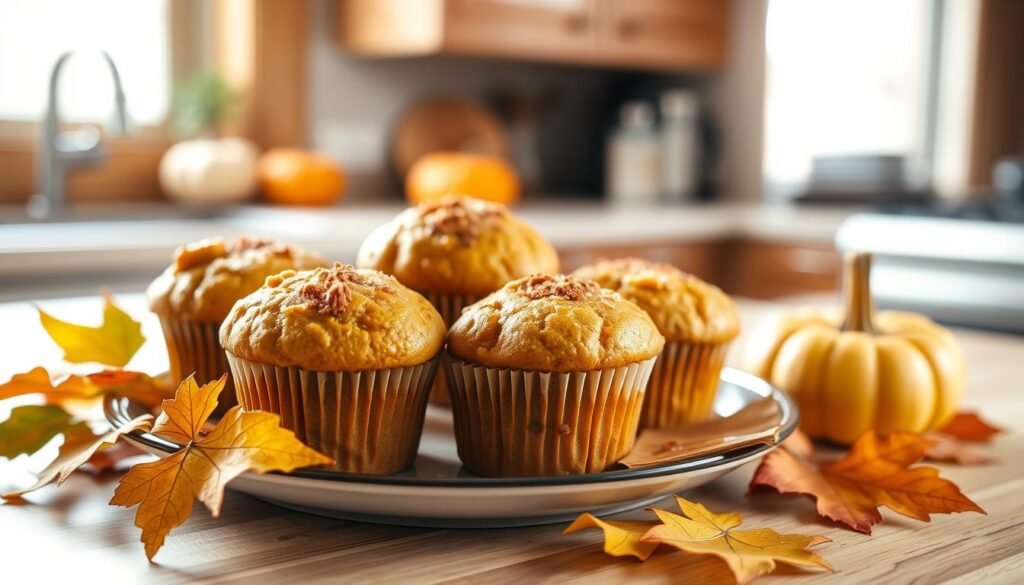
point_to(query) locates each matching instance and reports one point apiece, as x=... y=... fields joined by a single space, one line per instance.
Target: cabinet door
x=664 y=34
x=762 y=270
x=549 y=30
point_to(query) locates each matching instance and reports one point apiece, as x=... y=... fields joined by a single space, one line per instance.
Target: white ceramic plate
x=437 y=492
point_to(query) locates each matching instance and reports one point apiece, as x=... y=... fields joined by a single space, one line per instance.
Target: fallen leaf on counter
x=30 y=428
x=968 y=426
x=38 y=381
x=79 y=445
x=948 y=449
x=113 y=343
x=137 y=386
x=748 y=553
x=621 y=538
x=241 y=441
x=875 y=472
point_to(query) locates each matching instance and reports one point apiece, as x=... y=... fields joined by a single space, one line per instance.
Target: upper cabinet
x=640 y=34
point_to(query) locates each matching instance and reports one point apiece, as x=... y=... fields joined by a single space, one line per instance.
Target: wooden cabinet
x=674 y=34
x=770 y=270
x=644 y=34
x=748 y=268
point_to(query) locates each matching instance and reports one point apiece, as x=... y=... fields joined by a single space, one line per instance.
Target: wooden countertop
x=70 y=533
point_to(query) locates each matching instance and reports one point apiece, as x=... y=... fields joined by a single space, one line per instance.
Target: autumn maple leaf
x=241 y=441
x=876 y=472
x=968 y=426
x=621 y=537
x=748 y=553
x=113 y=343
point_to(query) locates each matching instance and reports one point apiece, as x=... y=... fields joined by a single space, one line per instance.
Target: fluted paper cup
x=524 y=423
x=195 y=348
x=369 y=421
x=683 y=384
x=450 y=307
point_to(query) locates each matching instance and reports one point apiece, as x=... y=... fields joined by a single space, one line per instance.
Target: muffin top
x=458 y=245
x=208 y=276
x=554 y=324
x=684 y=307
x=334 y=319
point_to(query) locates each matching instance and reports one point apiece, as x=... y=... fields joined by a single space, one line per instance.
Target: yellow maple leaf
x=748 y=553
x=113 y=343
x=241 y=441
x=621 y=537
x=79 y=445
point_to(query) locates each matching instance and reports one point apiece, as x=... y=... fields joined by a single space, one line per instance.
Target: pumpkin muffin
x=196 y=292
x=454 y=252
x=698 y=321
x=547 y=377
x=346 y=357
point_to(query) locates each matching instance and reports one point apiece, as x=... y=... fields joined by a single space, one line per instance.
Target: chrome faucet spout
x=59 y=152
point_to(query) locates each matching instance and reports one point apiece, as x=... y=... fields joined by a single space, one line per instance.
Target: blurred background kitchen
x=747 y=141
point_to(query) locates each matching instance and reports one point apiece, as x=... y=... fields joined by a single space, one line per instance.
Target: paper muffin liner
x=683 y=384
x=450 y=307
x=195 y=348
x=524 y=423
x=368 y=421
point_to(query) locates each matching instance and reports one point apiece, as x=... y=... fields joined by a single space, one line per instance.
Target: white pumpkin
x=210 y=170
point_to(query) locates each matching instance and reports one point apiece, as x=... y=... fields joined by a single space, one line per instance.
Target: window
x=34 y=33
x=846 y=78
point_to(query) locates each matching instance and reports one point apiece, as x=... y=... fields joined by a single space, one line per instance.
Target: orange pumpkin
x=291 y=176
x=438 y=174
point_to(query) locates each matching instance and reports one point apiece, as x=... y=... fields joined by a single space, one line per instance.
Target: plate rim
x=114 y=409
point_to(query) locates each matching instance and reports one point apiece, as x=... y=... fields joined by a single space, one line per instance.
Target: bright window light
x=843 y=77
x=34 y=33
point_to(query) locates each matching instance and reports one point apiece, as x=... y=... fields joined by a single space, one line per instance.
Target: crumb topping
x=244 y=243
x=543 y=286
x=330 y=290
x=459 y=217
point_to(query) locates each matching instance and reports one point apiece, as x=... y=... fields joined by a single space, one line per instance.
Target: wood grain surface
x=70 y=534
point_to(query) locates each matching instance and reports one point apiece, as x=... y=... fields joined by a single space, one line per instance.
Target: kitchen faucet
x=60 y=152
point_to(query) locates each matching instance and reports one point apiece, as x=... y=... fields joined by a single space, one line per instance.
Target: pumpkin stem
x=857 y=292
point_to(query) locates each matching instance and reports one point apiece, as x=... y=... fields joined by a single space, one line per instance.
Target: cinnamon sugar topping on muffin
x=459 y=218
x=329 y=293
x=543 y=286
x=247 y=243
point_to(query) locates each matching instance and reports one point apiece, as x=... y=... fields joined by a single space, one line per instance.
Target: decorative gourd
x=438 y=174
x=291 y=176
x=210 y=170
x=860 y=370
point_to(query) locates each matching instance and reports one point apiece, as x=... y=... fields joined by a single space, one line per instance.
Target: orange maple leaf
x=968 y=426
x=748 y=553
x=241 y=441
x=621 y=537
x=876 y=472
x=74 y=388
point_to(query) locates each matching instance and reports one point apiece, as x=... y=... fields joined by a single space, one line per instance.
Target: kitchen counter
x=254 y=542
x=124 y=249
